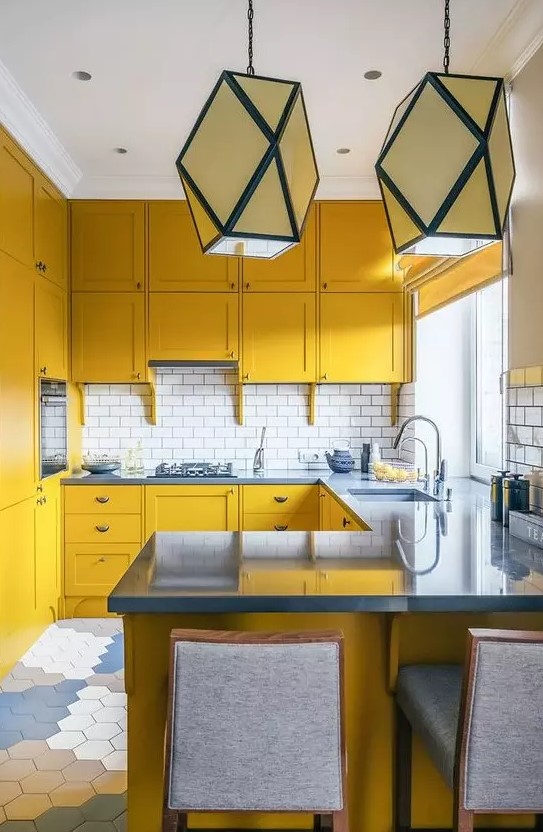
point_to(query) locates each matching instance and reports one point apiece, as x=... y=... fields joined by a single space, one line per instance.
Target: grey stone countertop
x=427 y=556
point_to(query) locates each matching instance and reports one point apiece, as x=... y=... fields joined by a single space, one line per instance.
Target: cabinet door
x=291 y=272
x=51 y=330
x=367 y=581
x=185 y=508
x=16 y=202
x=108 y=246
x=176 y=262
x=51 y=229
x=355 y=249
x=17 y=382
x=361 y=337
x=108 y=337
x=341 y=520
x=47 y=520
x=279 y=343
x=193 y=326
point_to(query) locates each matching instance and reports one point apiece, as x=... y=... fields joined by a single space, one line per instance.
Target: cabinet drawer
x=97 y=528
x=102 y=499
x=95 y=569
x=280 y=522
x=282 y=499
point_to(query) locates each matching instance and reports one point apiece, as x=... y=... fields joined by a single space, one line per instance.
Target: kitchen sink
x=389 y=495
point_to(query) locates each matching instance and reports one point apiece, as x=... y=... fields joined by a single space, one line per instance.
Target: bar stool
x=481 y=727
x=255 y=724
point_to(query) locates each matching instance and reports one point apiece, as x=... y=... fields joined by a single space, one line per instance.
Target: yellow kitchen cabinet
x=355 y=251
x=193 y=326
x=108 y=246
x=176 y=262
x=258 y=579
x=362 y=337
x=100 y=528
x=17 y=382
x=334 y=517
x=285 y=499
x=16 y=202
x=102 y=499
x=93 y=569
x=186 y=508
x=108 y=337
x=51 y=231
x=279 y=337
x=51 y=330
x=48 y=551
x=279 y=522
x=294 y=271
x=373 y=578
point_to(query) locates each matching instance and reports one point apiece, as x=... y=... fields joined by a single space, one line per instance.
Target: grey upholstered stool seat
x=429 y=696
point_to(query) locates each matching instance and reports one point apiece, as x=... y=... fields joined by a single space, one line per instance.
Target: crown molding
x=169 y=187
x=21 y=119
x=514 y=42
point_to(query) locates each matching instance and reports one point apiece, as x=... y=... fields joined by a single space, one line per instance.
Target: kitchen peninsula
x=405 y=590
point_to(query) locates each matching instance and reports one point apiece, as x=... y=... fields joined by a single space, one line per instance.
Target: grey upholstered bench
x=255 y=723
x=480 y=724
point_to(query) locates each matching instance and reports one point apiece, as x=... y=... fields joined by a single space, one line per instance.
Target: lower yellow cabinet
x=279 y=522
x=186 y=508
x=51 y=330
x=93 y=570
x=259 y=580
x=99 y=528
x=335 y=518
x=374 y=578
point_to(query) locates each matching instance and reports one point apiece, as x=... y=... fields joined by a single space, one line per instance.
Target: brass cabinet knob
x=102 y=529
x=40 y=501
x=247 y=285
x=325 y=376
x=138 y=285
x=279 y=528
x=101 y=560
x=102 y=500
x=44 y=267
x=325 y=575
x=137 y=376
x=43 y=371
x=246 y=377
x=325 y=286
x=232 y=354
x=346 y=522
x=39 y=487
x=280 y=499
x=232 y=286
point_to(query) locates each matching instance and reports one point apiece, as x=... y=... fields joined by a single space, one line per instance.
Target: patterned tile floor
x=63 y=732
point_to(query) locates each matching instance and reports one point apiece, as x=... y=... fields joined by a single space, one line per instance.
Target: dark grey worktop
x=449 y=555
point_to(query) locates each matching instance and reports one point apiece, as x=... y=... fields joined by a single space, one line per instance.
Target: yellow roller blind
x=442 y=280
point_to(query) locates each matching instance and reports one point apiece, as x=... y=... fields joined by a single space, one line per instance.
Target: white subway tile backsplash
x=525 y=429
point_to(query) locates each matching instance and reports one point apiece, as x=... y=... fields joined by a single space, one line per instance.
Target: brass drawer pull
x=280 y=528
x=102 y=499
x=346 y=522
x=101 y=560
x=102 y=529
x=280 y=499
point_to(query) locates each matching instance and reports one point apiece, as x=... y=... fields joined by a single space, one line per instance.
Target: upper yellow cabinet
x=51 y=330
x=362 y=337
x=50 y=232
x=294 y=271
x=279 y=339
x=16 y=202
x=193 y=326
x=108 y=337
x=108 y=246
x=355 y=252
x=176 y=262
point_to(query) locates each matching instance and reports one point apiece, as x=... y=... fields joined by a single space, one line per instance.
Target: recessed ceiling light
x=81 y=75
x=343 y=150
x=120 y=150
x=372 y=74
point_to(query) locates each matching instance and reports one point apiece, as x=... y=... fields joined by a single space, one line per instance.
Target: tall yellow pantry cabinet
x=33 y=337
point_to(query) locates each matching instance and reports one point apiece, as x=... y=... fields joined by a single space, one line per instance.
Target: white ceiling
x=154 y=62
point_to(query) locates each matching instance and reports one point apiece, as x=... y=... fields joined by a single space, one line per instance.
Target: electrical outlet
x=313 y=456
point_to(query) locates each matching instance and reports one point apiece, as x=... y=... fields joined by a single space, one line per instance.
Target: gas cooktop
x=193 y=470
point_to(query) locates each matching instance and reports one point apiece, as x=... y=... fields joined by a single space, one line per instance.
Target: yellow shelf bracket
x=240 y=401
x=394 y=403
x=81 y=395
x=152 y=392
x=312 y=404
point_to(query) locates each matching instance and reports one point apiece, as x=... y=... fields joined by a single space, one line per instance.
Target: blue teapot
x=341 y=460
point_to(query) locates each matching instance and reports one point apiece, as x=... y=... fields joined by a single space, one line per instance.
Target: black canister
x=516 y=495
x=496 y=495
x=365 y=458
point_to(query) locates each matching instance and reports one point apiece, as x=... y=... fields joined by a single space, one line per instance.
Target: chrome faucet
x=440 y=474
x=426 y=478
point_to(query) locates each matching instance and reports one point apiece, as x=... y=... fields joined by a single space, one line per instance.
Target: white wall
x=442 y=389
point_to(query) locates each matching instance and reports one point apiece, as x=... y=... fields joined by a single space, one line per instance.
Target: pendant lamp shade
x=248 y=167
x=446 y=168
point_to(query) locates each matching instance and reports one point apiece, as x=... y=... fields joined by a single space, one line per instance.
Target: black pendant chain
x=250 y=16
x=446 y=39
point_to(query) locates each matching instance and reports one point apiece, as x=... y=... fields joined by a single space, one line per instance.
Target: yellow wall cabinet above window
x=108 y=246
x=108 y=337
x=176 y=262
x=16 y=202
x=294 y=271
x=362 y=337
x=279 y=337
x=51 y=227
x=355 y=248
x=193 y=326
x=51 y=330
x=185 y=508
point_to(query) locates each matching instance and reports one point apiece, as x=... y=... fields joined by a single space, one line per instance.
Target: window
x=488 y=364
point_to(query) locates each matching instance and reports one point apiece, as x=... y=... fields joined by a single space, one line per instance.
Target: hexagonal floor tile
x=28 y=749
x=116 y=761
x=83 y=770
x=18 y=825
x=79 y=673
x=8 y=738
x=123 y=723
x=110 y=714
x=93 y=750
x=76 y=722
x=8 y=792
x=97 y=826
x=54 y=760
x=104 y=807
x=102 y=731
x=71 y=794
x=85 y=706
x=3 y=755
x=42 y=782
x=113 y=700
x=27 y=807
x=121 y=823
x=112 y=782
x=93 y=692
x=120 y=741
x=16 y=769
x=40 y=731
x=16 y=685
x=61 y=819
x=66 y=739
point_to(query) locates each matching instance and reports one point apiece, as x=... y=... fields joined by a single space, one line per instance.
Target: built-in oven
x=53 y=427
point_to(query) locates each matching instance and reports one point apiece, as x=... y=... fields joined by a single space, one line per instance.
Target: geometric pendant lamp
x=446 y=168
x=248 y=167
